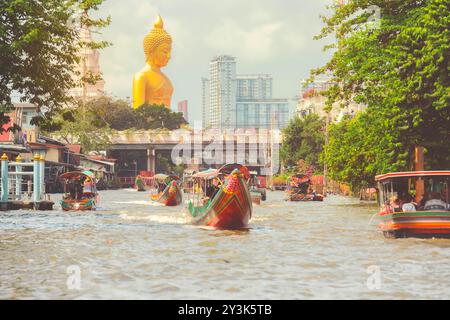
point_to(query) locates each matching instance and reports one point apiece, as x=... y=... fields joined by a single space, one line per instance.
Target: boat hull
x=256 y=197
x=78 y=205
x=231 y=208
x=171 y=196
x=420 y=224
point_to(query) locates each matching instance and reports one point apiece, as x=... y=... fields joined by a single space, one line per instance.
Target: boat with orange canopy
x=80 y=191
x=414 y=204
x=222 y=199
x=167 y=190
x=299 y=189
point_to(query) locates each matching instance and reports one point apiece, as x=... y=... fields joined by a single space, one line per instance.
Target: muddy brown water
x=133 y=249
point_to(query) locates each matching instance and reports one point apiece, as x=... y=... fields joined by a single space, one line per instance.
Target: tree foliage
x=118 y=115
x=303 y=139
x=39 y=51
x=155 y=117
x=164 y=164
x=91 y=124
x=79 y=125
x=359 y=148
x=399 y=67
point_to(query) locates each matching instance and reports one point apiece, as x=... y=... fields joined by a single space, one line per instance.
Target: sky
x=266 y=36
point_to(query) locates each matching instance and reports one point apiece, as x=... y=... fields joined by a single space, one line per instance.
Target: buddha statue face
x=160 y=56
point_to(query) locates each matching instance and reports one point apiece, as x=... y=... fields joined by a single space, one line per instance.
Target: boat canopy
x=77 y=175
x=412 y=174
x=299 y=178
x=164 y=178
x=229 y=168
x=421 y=185
x=207 y=174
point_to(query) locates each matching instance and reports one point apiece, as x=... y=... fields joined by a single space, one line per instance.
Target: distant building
x=205 y=103
x=262 y=113
x=312 y=101
x=232 y=101
x=21 y=116
x=255 y=107
x=222 y=92
x=183 y=108
x=254 y=86
x=89 y=64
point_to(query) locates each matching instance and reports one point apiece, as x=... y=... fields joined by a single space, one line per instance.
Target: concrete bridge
x=145 y=150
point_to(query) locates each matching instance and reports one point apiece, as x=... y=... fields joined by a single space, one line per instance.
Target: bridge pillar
x=151 y=160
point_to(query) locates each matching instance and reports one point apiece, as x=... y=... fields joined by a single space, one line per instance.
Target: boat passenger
x=395 y=204
x=215 y=187
x=72 y=189
x=78 y=189
x=435 y=202
x=87 y=186
x=161 y=187
x=408 y=204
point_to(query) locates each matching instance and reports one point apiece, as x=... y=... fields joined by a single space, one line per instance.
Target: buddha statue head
x=158 y=45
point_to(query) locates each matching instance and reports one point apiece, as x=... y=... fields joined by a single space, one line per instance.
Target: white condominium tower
x=222 y=92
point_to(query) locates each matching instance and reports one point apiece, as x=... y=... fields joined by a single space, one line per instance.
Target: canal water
x=132 y=249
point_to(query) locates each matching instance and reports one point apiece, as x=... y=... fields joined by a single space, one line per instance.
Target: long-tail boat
x=414 y=204
x=299 y=189
x=257 y=193
x=80 y=191
x=225 y=201
x=168 y=190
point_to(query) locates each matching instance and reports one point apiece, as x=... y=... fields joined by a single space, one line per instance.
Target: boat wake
x=141 y=202
x=154 y=218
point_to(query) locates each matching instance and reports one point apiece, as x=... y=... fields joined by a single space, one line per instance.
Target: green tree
x=79 y=126
x=118 y=115
x=112 y=113
x=92 y=123
x=38 y=51
x=303 y=139
x=359 y=148
x=164 y=164
x=156 y=117
x=399 y=67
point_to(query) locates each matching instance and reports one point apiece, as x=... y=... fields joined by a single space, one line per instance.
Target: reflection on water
x=133 y=249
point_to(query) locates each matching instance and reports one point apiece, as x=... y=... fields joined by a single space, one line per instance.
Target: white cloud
x=256 y=43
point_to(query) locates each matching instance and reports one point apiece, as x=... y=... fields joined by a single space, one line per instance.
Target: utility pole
x=325 y=168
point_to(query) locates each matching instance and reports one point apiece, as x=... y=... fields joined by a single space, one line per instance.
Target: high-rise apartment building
x=240 y=101
x=222 y=92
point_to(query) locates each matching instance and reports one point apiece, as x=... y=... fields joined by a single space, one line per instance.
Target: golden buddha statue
x=150 y=85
